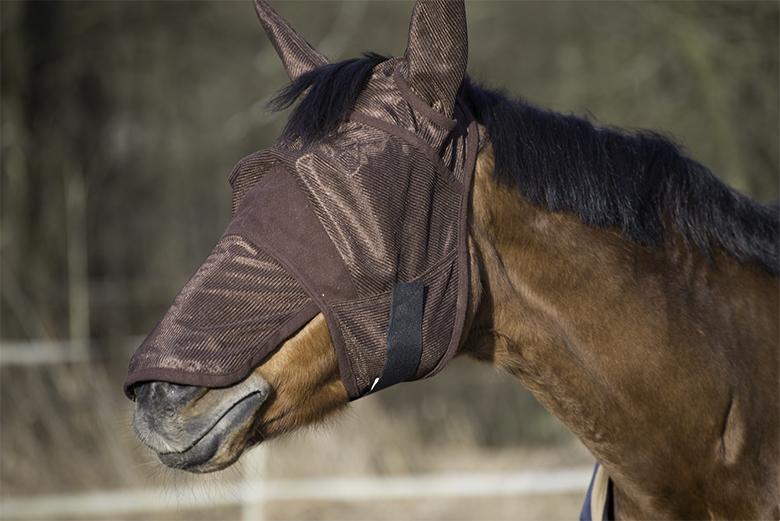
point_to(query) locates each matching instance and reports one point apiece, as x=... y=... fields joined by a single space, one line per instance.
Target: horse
x=631 y=291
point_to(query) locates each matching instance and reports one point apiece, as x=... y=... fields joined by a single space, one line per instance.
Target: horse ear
x=437 y=52
x=297 y=55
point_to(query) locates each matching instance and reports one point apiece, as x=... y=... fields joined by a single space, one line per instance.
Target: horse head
x=344 y=268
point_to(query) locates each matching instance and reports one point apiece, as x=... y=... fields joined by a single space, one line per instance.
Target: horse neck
x=632 y=348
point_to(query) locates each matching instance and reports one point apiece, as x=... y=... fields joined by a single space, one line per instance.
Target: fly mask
x=366 y=226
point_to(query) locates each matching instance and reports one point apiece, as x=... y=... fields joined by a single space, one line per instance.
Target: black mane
x=608 y=177
x=332 y=89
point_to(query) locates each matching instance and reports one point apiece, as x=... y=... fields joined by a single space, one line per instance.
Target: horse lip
x=196 y=457
x=168 y=430
x=258 y=396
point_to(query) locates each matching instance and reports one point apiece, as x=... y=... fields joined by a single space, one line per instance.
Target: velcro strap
x=404 y=335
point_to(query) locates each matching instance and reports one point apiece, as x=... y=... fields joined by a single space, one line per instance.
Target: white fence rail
x=46 y=352
x=258 y=491
x=43 y=352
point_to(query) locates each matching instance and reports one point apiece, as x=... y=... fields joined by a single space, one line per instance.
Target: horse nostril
x=169 y=393
x=180 y=395
x=142 y=391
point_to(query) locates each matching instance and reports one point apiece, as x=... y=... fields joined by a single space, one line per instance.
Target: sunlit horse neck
x=654 y=335
x=663 y=362
x=661 y=355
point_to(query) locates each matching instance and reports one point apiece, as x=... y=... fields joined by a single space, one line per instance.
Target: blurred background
x=120 y=123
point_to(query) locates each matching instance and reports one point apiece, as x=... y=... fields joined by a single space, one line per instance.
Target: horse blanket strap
x=599 y=501
x=367 y=226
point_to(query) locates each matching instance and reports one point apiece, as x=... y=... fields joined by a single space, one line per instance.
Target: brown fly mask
x=365 y=225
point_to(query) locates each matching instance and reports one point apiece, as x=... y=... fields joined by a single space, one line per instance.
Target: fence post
x=255 y=468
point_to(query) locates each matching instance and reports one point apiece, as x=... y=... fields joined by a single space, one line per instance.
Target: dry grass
x=66 y=429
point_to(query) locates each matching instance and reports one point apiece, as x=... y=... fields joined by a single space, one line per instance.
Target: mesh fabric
x=330 y=228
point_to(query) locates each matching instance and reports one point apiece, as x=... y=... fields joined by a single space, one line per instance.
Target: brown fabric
x=333 y=226
x=436 y=56
x=236 y=308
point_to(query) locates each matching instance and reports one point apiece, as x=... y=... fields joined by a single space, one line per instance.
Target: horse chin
x=223 y=444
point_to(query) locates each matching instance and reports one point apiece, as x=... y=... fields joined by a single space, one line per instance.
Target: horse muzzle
x=198 y=429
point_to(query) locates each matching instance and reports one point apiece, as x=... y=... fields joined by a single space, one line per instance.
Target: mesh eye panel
x=227 y=316
x=392 y=236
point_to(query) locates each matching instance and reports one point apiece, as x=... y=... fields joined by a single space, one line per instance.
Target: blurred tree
x=120 y=121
